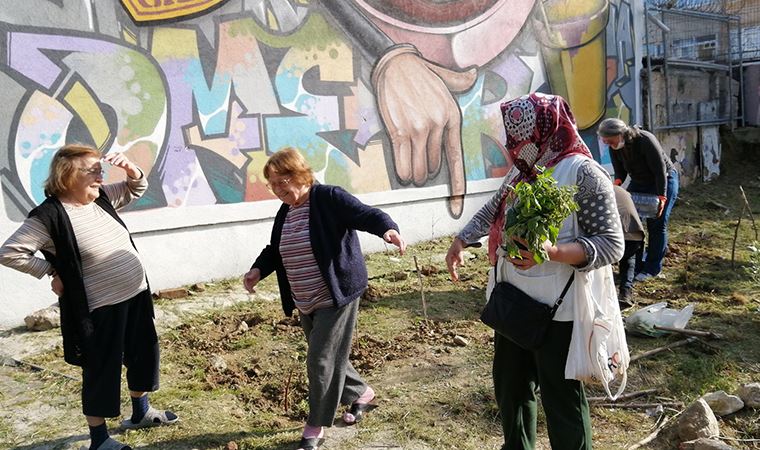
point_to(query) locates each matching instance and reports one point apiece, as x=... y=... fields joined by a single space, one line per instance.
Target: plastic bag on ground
x=644 y=320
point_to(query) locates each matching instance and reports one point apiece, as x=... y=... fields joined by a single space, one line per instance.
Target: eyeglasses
x=92 y=171
x=278 y=184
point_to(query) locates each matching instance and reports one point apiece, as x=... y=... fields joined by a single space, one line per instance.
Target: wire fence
x=745 y=36
x=694 y=50
x=693 y=36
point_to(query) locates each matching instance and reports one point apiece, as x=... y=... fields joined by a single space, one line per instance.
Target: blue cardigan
x=334 y=217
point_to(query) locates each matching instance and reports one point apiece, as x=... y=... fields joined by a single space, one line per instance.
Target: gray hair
x=612 y=127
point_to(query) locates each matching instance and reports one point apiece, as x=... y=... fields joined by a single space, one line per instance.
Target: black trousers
x=630 y=261
x=124 y=334
x=517 y=376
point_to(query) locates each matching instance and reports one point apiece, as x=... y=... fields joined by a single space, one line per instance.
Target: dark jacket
x=334 y=217
x=644 y=160
x=76 y=325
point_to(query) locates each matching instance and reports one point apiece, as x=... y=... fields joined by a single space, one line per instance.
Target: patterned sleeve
x=480 y=223
x=601 y=232
x=122 y=194
x=18 y=252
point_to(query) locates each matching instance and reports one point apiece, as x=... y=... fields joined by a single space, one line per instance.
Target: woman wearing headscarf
x=315 y=253
x=106 y=305
x=637 y=154
x=541 y=131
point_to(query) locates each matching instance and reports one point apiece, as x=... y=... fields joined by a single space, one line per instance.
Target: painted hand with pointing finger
x=414 y=97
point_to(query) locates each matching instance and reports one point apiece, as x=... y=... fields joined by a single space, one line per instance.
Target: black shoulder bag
x=519 y=317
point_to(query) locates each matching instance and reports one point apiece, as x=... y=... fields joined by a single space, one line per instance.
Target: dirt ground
x=208 y=337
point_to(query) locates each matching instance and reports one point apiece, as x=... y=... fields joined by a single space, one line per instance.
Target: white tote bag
x=598 y=349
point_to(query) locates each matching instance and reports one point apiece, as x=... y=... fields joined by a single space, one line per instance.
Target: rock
x=460 y=341
x=429 y=270
x=372 y=293
x=44 y=319
x=697 y=421
x=198 y=287
x=173 y=293
x=243 y=327
x=716 y=205
x=750 y=394
x=218 y=363
x=398 y=276
x=231 y=445
x=723 y=404
x=704 y=444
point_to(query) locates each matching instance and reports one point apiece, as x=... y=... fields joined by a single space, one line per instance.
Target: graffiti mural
x=379 y=96
x=164 y=10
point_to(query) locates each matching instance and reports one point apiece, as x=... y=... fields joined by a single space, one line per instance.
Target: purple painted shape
x=180 y=163
x=25 y=53
x=249 y=138
x=513 y=70
x=370 y=125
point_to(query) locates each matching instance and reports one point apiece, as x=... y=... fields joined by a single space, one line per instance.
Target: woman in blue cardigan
x=315 y=253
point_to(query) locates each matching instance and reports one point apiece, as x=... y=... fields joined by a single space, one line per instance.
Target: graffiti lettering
x=200 y=106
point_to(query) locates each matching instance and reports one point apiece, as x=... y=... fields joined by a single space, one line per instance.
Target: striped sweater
x=111 y=266
x=309 y=290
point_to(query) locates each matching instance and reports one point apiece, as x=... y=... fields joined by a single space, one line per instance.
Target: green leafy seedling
x=537 y=214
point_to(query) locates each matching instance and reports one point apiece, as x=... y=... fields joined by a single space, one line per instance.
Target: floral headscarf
x=541 y=131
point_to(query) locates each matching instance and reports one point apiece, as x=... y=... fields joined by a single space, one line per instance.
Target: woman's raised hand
x=122 y=162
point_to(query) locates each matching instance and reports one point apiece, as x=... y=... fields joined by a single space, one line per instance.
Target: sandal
x=152 y=418
x=112 y=444
x=357 y=411
x=311 y=443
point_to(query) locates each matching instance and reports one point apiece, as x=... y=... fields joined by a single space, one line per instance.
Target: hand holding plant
x=537 y=214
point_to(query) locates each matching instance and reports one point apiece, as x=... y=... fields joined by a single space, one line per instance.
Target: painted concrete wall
x=201 y=101
x=693 y=96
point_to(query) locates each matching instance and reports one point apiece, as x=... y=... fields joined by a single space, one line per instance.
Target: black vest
x=76 y=325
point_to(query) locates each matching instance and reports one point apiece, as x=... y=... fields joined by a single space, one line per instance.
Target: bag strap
x=562 y=295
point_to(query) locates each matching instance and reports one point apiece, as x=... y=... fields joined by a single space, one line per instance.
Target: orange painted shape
x=156 y=10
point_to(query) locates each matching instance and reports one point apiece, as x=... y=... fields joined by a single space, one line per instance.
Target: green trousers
x=517 y=376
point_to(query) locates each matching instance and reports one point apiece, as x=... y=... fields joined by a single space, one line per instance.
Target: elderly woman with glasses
x=105 y=302
x=315 y=253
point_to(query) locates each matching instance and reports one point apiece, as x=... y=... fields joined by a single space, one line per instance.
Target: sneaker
x=643 y=276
